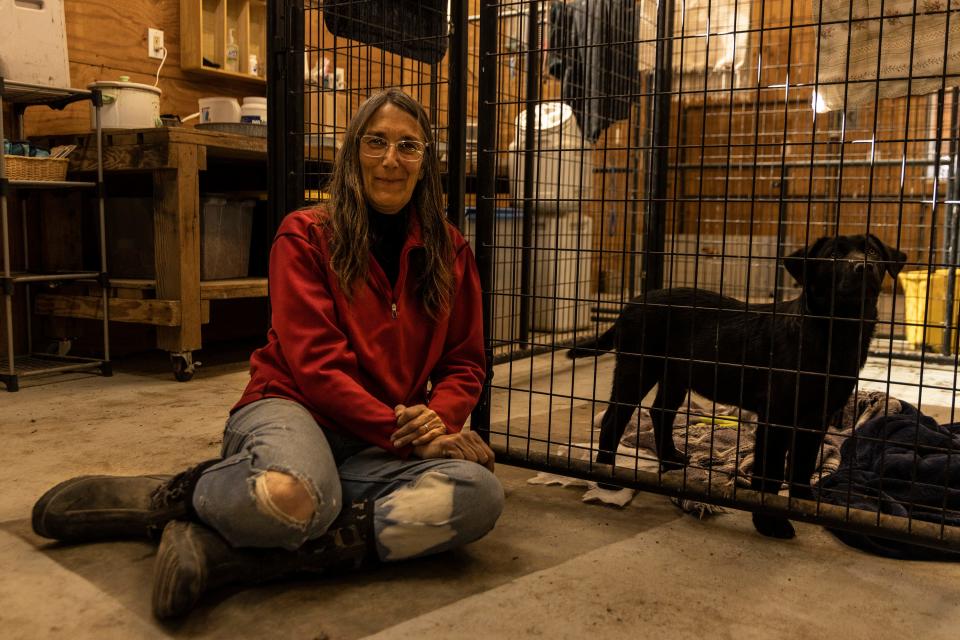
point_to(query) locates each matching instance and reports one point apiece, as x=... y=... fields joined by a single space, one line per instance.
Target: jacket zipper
x=401 y=278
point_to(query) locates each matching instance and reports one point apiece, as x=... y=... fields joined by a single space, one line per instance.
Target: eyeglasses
x=407 y=150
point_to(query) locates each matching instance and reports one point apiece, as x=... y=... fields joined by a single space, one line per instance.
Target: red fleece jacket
x=351 y=362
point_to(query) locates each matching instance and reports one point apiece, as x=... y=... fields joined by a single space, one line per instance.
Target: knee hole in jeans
x=285 y=497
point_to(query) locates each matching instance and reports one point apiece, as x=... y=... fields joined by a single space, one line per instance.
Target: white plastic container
x=507 y=254
x=219 y=109
x=563 y=161
x=254 y=110
x=127 y=105
x=562 y=289
x=561 y=282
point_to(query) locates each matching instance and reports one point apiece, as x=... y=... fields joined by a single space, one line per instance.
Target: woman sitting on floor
x=347 y=446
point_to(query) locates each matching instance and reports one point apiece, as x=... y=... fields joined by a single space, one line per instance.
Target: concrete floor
x=554 y=566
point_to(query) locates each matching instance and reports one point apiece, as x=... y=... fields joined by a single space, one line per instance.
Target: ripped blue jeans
x=420 y=506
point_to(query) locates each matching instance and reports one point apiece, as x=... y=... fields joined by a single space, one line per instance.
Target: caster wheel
x=182 y=369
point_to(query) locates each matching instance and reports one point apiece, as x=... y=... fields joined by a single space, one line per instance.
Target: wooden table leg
x=176 y=205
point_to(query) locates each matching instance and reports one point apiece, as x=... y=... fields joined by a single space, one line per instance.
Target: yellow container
x=932 y=301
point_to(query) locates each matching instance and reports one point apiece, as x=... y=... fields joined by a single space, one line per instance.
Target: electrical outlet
x=155 y=43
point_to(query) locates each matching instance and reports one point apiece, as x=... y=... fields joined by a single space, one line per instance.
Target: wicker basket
x=26 y=168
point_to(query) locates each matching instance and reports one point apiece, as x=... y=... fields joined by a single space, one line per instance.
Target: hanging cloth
x=414 y=29
x=600 y=78
x=847 y=78
x=558 y=37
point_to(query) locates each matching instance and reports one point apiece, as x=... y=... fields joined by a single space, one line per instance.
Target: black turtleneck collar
x=388 y=232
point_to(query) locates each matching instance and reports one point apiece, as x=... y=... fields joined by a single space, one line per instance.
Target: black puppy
x=794 y=363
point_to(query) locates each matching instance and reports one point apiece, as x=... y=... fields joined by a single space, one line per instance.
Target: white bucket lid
x=546 y=116
x=121 y=84
x=255 y=100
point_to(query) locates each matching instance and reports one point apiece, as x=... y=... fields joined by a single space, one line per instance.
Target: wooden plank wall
x=107 y=39
x=735 y=154
x=760 y=144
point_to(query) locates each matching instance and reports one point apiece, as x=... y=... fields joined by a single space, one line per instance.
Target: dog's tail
x=595 y=346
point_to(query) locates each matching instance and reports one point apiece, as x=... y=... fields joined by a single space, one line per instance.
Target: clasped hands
x=421 y=427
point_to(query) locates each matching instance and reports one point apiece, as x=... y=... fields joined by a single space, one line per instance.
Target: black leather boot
x=91 y=508
x=193 y=559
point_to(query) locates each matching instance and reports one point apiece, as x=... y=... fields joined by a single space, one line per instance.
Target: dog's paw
x=773 y=526
x=606 y=457
x=674 y=462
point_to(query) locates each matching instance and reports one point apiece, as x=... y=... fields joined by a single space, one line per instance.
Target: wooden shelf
x=129 y=301
x=233 y=288
x=223 y=73
x=205 y=27
x=209 y=289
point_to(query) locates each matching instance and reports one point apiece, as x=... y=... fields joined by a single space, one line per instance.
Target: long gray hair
x=347 y=209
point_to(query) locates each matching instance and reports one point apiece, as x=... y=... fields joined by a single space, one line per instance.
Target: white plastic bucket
x=218 y=109
x=562 y=162
x=127 y=105
x=254 y=110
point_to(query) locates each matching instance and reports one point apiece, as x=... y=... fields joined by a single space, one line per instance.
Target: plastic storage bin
x=561 y=272
x=508 y=239
x=130 y=248
x=225 y=227
x=561 y=256
x=932 y=301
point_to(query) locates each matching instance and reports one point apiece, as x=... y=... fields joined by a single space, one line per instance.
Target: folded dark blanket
x=414 y=29
x=881 y=454
x=905 y=465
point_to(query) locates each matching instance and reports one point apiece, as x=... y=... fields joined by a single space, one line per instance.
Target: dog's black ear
x=893 y=259
x=794 y=263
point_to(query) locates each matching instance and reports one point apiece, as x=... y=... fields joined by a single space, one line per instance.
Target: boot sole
x=179 y=577
x=86 y=529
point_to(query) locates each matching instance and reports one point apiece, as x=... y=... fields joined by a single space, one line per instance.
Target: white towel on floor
x=626 y=458
x=615 y=497
x=899 y=38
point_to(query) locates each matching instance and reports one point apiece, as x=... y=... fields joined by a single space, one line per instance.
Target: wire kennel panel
x=334 y=54
x=719 y=137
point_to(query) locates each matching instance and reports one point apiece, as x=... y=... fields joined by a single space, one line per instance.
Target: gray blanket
x=718 y=438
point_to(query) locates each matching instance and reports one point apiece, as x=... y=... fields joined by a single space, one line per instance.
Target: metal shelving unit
x=14 y=366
